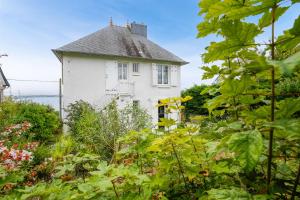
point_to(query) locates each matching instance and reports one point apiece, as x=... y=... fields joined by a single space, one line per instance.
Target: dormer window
x=163 y=74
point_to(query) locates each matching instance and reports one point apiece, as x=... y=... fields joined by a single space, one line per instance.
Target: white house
x=119 y=62
x=3 y=84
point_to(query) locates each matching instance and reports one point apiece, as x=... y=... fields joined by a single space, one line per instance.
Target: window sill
x=136 y=74
x=163 y=86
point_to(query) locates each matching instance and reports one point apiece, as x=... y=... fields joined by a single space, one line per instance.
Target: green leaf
x=235 y=87
x=247 y=147
x=207 y=27
x=210 y=72
x=291 y=38
x=266 y=19
x=287 y=107
x=219 y=51
x=206 y=4
x=296 y=27
x=287 y=129
x=235 y=9
x=254 y=61
x=217 y=9
x=238 y=35
x=288 y=65
x=85 y=188
x=214 y=103
x=166 y=122
x=228 y=194
x=235 y=125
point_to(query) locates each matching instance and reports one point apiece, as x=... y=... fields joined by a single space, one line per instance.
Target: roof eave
x=4 y=78
x=59 y=54
x=184 y=63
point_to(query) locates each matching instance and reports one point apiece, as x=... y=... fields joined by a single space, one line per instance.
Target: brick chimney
x=138 y=29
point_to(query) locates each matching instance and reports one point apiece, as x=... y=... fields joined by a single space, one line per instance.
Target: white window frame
x=135 y=68
x=122 y=71
x=163 y=75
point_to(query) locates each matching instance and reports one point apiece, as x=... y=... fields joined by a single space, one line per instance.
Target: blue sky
x=31 y=28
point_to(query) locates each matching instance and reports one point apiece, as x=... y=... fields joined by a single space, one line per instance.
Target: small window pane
x=159 y=68
x=124 y=71
x=135 y=67
x=120 y=71
x=166 y=74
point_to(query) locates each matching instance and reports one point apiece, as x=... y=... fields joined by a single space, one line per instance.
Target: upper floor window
x=122 y=71
x=135 y=68
x=163 y=74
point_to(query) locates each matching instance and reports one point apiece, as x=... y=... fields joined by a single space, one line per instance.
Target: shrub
x=84 y=125
x=63 y=146
x=44 y=119
x=134 y=118
x=75 y=112
x=97 y=132
x=40 y=154
x=196 y=105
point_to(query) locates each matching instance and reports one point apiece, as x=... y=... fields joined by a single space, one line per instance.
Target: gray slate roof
x=119 y=41
x=3 y=79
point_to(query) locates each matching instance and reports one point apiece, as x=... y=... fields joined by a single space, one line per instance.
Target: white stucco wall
x=91 y=78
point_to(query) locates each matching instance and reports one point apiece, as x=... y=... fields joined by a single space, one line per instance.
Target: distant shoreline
x=51 y=100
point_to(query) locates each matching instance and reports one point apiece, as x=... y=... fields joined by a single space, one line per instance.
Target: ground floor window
x=136 y=103
x=161 y=114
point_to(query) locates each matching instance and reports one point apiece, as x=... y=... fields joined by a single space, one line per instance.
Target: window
x=161 y=114
x=122 y=71
x=135 y=67
x=136 y=103
x=163 y=74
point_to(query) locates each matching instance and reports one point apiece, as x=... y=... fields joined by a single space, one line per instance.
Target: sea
x=51 y=101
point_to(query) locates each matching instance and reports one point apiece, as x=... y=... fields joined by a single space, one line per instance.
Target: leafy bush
x=64 y=145
x=84 y=124
x=289 y=86
x=44 y=119
x=97 y=131
x=196 y=105
x=40 y=154
x=75 y=112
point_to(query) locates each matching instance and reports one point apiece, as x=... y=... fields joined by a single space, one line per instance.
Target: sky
x=29 y=29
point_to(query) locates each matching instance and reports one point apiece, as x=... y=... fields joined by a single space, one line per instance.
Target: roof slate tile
x=119 y=41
